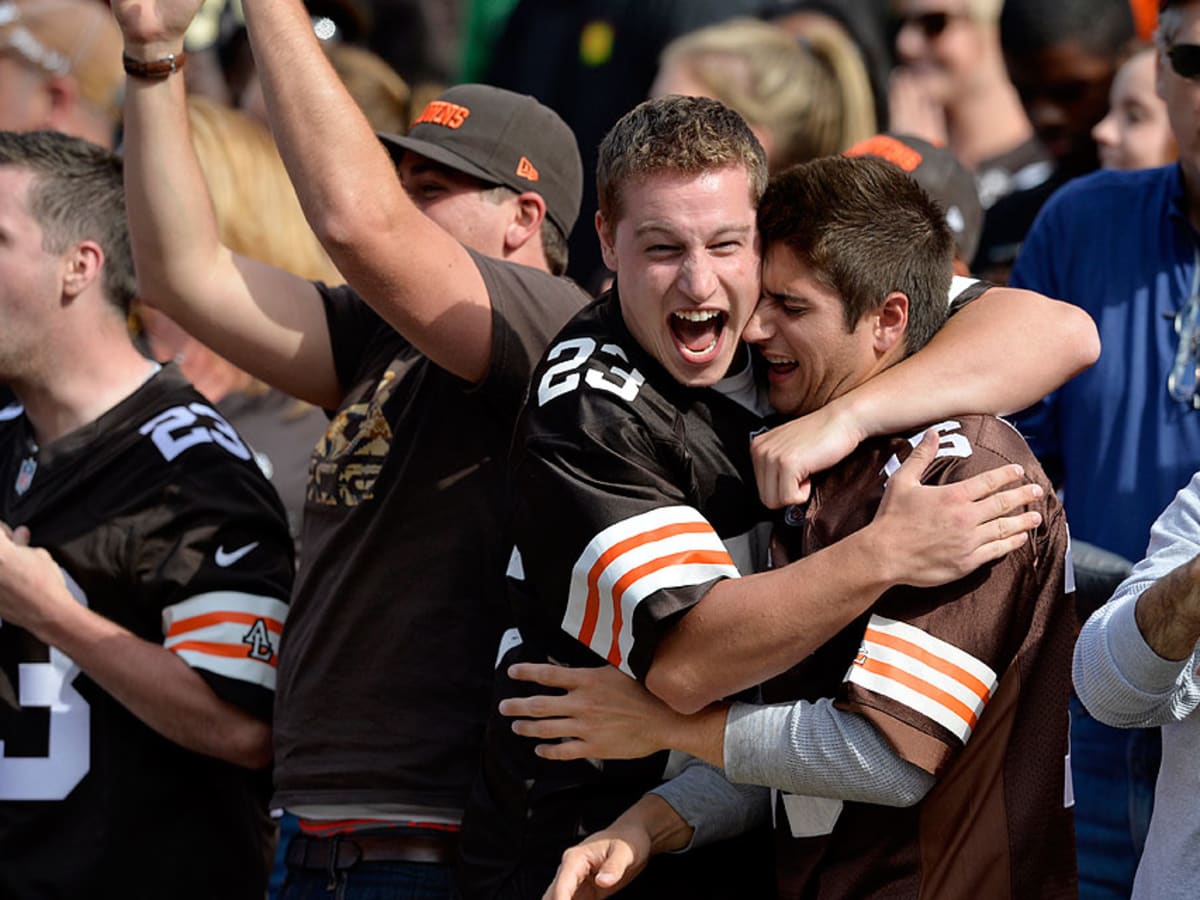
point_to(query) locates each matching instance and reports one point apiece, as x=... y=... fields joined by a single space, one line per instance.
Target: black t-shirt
x=399 y=605
x=160 y=522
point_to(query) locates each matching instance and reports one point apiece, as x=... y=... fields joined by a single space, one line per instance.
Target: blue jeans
x=1113 y=771
x=371 y=881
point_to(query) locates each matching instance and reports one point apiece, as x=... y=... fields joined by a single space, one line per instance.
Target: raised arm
x=263 y=319
x=999 y=354
x=409 y=269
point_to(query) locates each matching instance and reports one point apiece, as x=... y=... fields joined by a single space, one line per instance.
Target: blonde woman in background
x=258 y=216
x=802 y=99
x=950 y=87
x=1136 y=133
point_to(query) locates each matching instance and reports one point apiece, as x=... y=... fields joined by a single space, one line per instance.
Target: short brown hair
x=77 y=194
x=865 y=229
x=688 y=135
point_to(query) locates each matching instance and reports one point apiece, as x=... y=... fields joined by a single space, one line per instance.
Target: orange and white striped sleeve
x=667 y=548
x=228 y=633
x=930 y=676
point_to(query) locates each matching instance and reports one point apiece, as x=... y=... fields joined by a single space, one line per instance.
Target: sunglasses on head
x=1185 y=60
x=930 y=24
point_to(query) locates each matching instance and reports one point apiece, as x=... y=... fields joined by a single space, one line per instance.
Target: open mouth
x=698 y=333
x=779 y=366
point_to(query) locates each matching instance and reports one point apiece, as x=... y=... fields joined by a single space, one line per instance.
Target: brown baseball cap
x=68 y=37
x=502 y=138
x=941 y=176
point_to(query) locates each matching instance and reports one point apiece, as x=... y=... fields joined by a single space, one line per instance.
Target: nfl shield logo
x=25 y=475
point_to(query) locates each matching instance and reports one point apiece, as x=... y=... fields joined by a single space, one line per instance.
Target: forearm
x=411 y=271
x=711 y=805
x=763 y=624
x=173 y=228
x=1168 y=613
x=264 y=320
x=338 y=166
x=817 y=750
x=1001 y=353
x=158 y=687
x=1121 y=679
x=653 y=816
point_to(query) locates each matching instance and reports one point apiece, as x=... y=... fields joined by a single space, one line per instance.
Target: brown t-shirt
x=968 y=681
x=386 y=665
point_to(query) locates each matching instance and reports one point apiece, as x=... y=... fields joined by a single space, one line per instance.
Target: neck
x=82 y=386
x=988 y=120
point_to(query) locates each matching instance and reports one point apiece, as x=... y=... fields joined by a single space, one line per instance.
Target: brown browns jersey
x=968 y=681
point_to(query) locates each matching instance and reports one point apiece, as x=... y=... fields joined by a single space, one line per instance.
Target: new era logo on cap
x=525 y=169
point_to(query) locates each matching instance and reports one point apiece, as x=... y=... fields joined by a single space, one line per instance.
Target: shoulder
x=515 y=289
x=594 y=372
x=1107 y=191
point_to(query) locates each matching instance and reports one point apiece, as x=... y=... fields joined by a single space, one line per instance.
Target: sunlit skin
x=685 y=253
x=456 y=202
x=799 y=328
x=29 y=277
x=22 y=103
x=1136 y=133
x=945 y=62
x=1182 y=97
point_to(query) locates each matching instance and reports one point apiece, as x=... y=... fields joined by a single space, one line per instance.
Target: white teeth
x=697 y=315
x=778 y=360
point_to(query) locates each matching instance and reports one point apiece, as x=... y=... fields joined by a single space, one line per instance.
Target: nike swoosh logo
x=224 y=560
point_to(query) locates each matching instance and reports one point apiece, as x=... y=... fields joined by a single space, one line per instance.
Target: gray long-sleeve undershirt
x=809 y=749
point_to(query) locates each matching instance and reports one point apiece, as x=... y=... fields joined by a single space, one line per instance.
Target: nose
x=910 y=42
x=760 y=328
x=696 y=279
x=1105 y=131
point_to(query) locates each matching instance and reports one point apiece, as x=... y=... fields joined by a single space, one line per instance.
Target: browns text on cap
x=504 y=138
x=942 y=177
x=68 y=37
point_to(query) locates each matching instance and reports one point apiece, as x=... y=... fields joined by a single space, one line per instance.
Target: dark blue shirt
x=1119 y=245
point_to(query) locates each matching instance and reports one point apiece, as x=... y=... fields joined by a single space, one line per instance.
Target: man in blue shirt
x=1120 y=440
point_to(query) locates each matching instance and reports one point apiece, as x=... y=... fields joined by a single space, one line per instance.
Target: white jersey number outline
x=49 y=684
x=563 y=377
x=176 y=430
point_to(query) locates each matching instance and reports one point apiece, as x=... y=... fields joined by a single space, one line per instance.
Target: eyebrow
x=660 y=225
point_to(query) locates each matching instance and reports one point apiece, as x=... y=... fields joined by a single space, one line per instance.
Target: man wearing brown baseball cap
x=385 y=674
x=60 y=68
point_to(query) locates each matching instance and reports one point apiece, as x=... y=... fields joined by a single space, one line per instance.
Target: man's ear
x=607 y=241
x=891 y=322
x=81 y=268
x=526 y=223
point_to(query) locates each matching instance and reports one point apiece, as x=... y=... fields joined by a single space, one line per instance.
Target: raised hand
x=155 y=23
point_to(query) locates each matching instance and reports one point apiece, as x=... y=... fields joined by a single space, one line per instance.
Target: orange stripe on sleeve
x=965 y=678
x=922 y=687
x=691 y=557
x=214 y=649
x=588 y=629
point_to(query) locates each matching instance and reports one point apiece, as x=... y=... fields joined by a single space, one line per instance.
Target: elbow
x=1082 y=340
x=248 y=745
x=678 y=687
